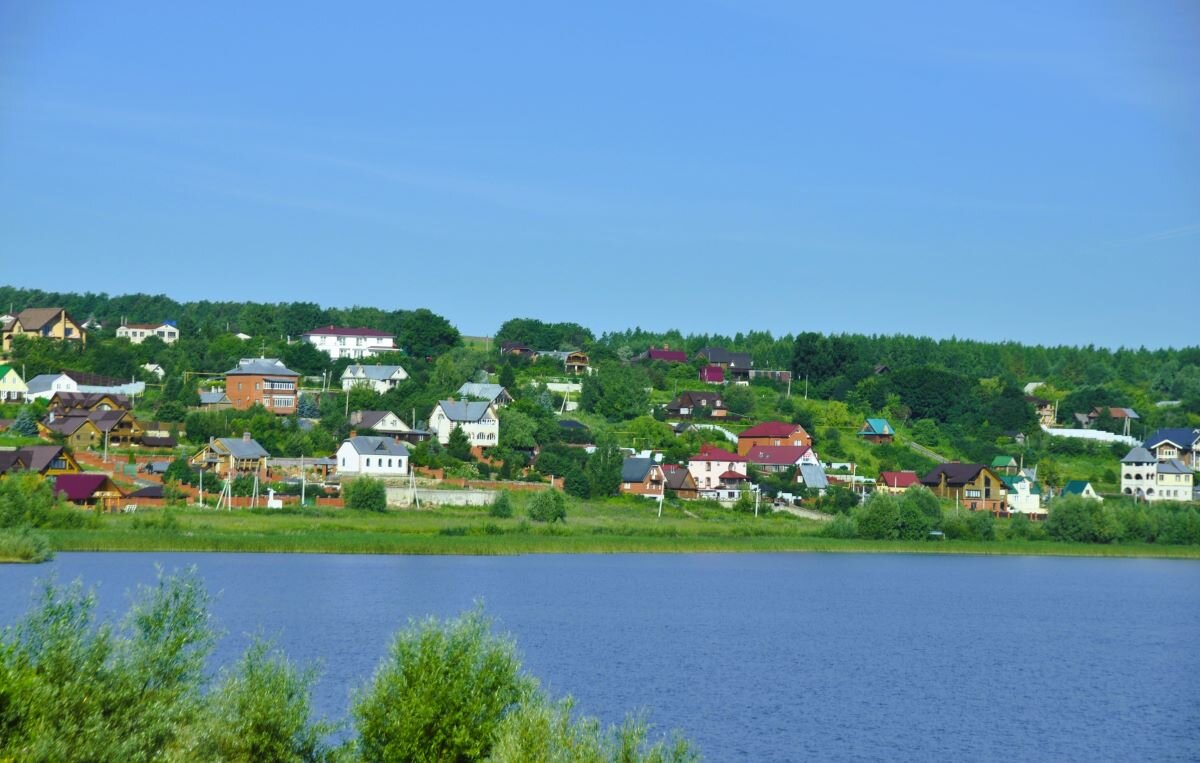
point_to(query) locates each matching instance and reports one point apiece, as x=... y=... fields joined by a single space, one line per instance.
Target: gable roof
x=35 y=318
x=903 y=479
x=68 y=400
x=671 y=356
x=636 y=469
x=39 y=457
x=1013 y=480
x=776 y=455
x=213 y=398
x=739 y=360
x=489 y=392
x=814 y=476
x=714 y=374
x=957 y=475
x=691 y=399
x=1116 y=413
x=374 y=372
x=1003 y=461
x=771 y=429
x=241 y=448
x=678 y=478
x=260 y=367
x=713 y=453
x=1173 y=466
x=81 y=487
x=150 y=491
x=460 y=410
x=344 y=331
x=1075 y=487
x=877 y=427
x=12 y=461
x=1183 y=437
x=377 y=446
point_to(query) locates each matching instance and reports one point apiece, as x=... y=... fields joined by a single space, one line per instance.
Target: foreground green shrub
x=441 y=694
x=27 y=500
x=24 y=545
x=502 y=506
x=548 y=506
x=366 y=493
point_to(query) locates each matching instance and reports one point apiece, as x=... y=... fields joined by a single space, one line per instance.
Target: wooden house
x=878 y=431
x=89 y=490
x=974 y=486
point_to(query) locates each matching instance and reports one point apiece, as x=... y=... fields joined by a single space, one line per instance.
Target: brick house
x=642 y=476
x=774 y=434
x=262 y=381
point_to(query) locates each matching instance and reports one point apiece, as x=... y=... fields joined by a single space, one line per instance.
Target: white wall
x=351 y=461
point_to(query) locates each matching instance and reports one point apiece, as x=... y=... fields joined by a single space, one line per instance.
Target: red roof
x=771 y=429
x=732 y=475
x=343 y=331
x=713 y=453
x=899 y=479
x=777 y=455
x=79 y=487
x=712 y=374
x=675 y=356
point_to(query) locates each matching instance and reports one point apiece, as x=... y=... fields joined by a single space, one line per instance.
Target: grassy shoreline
x=591 y=529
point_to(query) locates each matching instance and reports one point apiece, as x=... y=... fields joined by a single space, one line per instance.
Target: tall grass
x=24 y=545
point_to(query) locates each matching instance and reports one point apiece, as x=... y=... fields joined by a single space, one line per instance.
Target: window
x=368 y=462
x=389 y=463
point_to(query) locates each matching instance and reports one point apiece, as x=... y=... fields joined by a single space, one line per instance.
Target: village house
x=666 y=354
x=373 y=456
x=518 y=350
x=377 y=377
x=1124 y=416
x=341 y=342
x=1182 y=443
x=1081 y=488
x=12 y=386
x=896 y=483
x=688 y=404
x=140 y=332
x=1047 y=411
x=89 y=490
x=47 y=460
x=478 y=420
x=1144 y=476
x=718 y=472
x=491 y=393
x=45 y=386
x=813 y=477
x=680 y=481
x=215 y=400
x=1005 y=465
x=12 y=461
x=975 y=486
x=64 y=403
x=735 y=365
x=642 y=476
x=262 y=381
x=877 y=431
x=42 y=323
x=772 y=433
x=1024 y=496
x=92 y=430
x=232 y=456
x=577 y=363
x=777 y=459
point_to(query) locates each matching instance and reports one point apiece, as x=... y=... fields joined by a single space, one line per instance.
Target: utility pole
x=303 y=481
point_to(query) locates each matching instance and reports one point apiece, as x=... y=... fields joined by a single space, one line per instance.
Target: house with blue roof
x=878 y=431
x=1181 y=443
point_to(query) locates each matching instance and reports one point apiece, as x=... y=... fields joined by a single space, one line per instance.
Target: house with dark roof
x=712 y=375
x=232 y=456
x=1182 y=443
x=519 y=350
x=878 y=431
x=642 y=476
x=478 y=420
x=12 y=461
x=772 y=433
x=48 y=460
x=974 y=486
x=1124 y=416
x=373 y=456
x=896 y=482
x=680 y=481
x=344 y=342
x=263 y=381
x=89 y=490
x=42 y=323
x=736 y=365
x=215 y=400
x=91 y=430
x=686 y=405
x=63 y=403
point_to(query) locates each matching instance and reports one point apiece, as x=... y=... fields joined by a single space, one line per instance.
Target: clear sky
x=1024 y=170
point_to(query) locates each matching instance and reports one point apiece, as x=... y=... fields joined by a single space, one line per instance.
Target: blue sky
x=1026 y=172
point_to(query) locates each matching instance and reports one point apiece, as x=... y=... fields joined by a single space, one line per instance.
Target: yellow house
x=48 y=460
x=12 y=386
x=42 y=322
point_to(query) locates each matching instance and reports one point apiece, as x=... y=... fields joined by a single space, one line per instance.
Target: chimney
x=354 y=433
x=245 y=437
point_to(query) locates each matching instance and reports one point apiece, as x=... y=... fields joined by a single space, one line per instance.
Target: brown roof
x=35 y=318
x=957 y=475
x=11 y=461
x=38 y=457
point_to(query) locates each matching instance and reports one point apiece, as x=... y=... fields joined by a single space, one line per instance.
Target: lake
x=763 y=657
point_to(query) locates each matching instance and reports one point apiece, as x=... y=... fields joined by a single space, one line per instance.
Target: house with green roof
x=1081 y=488
x=1005 y=464
x=12 y=386
x=878 y=431
x=1024 y=496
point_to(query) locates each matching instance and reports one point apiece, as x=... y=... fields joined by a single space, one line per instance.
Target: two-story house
x=140 y=332
x=491 y=393
x=688 y=404
x=718 y=472
x=376 y=377
x=1047 y=411
x=478 y=420
x=12 y=387
x=775 y=459
x=1024 y=496
x=262 y=381
x=343 y=342
x=736 y=365
x=374 y=456
x=975 y=486
x=642 y=476
x=42 y=323
x=1182 y=443
x=232 y=456
x=772 y=433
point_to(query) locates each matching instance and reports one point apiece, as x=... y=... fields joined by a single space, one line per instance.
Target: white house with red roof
x=718 y=473
x=343 y=342
x=780 y=458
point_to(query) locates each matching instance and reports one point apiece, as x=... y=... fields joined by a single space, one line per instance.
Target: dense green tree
x=548 y=506
x=604 y=468
x=616 y=392
x=365 y=493
x=459 y=445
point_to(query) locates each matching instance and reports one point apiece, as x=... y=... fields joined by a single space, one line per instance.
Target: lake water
x=762 y=657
